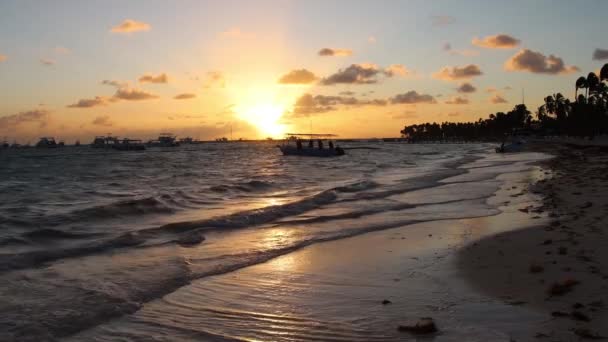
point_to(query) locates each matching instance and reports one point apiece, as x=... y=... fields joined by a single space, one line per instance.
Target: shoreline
x=335 y=289
x=557 y=267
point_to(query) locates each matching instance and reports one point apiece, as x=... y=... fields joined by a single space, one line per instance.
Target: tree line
x=586 y=116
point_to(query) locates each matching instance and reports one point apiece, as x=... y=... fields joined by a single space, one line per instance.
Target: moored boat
x=47 y=142
x=313 y=146
x=129 y=145
x=164 y=140
x=102 y=141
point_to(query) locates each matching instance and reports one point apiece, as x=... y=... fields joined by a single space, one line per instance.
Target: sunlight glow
x=265 y=117
x=264 y=107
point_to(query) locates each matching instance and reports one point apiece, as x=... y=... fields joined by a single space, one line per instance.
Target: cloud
x=130 y=25
x=37 y=115
x=536 y=62
x=133 y=94
x=499 y=41
x=396 y=69
x=3 y=58
x=371 y=39
x=160 y=78
x=215 y=79
x=184 y=96
x=454 y=114
x=598 y=54
x=442 y=20
x=308 y=104
x=466 y=88
x=47 y=62
x=335 y=52
x=347 y=93
x=491 y=90
x=507 y=88
x=117 y=84
x=103 y=120
x=89 y=103
x=457 y=100
x=458 y=73
x=355 y=74
x=496 y=99
x=299 y=76
x=412 y=97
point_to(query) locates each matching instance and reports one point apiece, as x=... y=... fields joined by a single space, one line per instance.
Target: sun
x=265 y=117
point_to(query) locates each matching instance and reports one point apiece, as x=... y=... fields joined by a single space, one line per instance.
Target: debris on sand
x=424 y=325
x=562 y=287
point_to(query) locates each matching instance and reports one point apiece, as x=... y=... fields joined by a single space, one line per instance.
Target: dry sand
x=558 y=268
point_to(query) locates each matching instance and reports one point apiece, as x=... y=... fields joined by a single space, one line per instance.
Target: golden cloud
x=326 y=52
x=184 y=96
x=161 y=78
x=299 y=76
x=130 y=25
x=499 y=41
x=458 y=73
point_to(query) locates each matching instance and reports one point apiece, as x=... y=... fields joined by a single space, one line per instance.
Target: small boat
x=189 y=141
x=296 y=145
x=47 y=142
x=164 y=140
x=102 y=141
x=129 y=145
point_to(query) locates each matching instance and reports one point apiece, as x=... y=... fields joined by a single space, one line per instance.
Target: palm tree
x=592 y=82
x=604 y=73
x=581 y=82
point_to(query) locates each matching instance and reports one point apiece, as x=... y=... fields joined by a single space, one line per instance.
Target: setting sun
x=265 y=117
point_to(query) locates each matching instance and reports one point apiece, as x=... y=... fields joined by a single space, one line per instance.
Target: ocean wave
x=49 y=233
x=250 y=186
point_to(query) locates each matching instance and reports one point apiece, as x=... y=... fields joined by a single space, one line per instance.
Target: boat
x=47 y=142
x=310 y=145
x=104 y=141
x=189 y=141
x=129 y=145
x=164 y=140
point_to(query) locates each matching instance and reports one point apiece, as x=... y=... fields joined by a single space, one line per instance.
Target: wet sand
x=558 y=267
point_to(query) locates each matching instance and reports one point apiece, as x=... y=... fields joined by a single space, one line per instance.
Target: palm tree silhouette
x=604 y=72
x=581 y=83
x=592 y=83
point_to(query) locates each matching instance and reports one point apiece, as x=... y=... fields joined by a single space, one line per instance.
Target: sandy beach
x=558 y=267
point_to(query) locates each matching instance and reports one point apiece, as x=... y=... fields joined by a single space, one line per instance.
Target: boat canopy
x=311 y=135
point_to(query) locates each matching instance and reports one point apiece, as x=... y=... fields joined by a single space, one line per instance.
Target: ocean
x=90 y=236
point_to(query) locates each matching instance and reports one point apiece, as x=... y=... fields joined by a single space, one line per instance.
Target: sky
x=76 y=69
